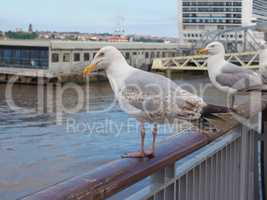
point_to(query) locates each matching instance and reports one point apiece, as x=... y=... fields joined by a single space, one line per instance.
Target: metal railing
x=192 y=165
x=198 y=62
x=222 y=170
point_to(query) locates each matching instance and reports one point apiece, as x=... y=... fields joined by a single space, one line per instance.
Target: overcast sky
x=152 y=17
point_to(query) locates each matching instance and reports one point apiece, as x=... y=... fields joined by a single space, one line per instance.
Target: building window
x=134 y=53
x=66 y=57
x=24 y=57
x=94 y=55
x=55 y=57
x=127 y=55
x=158 y=54
x=76 y=57
x=147 y=55
x=86 y=56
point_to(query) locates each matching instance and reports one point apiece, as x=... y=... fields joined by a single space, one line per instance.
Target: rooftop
x=59 y=44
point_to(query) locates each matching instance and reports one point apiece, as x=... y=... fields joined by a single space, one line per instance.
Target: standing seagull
x=146 y=96
x=263 y=61
x=227 y=77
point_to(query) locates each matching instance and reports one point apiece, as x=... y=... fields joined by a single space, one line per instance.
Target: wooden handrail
x=117 y=175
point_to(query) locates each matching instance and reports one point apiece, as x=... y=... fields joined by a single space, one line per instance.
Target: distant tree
x=104 y=34
x=21 y=35
x=143 y=39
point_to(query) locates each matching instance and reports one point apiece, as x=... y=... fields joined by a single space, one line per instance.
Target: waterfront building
x=196 y=17
x=260 y=10
x=54 y=59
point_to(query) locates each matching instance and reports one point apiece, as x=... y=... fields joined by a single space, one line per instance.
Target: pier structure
x=248 y=60
x=242 y=45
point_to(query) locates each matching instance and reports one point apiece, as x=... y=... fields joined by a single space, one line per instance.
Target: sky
x=153 y=17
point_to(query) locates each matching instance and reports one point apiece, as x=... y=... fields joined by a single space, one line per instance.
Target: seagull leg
x=232 y=102
x=151 y=153
x=140 y=154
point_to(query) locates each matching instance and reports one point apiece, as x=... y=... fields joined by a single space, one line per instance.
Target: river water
x=39 y=146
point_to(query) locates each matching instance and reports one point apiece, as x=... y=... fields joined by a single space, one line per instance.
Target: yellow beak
x=203 y=51
x=89 y=69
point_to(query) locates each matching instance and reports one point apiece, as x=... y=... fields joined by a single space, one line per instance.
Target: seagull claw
x=148 y=154
x=134 y=155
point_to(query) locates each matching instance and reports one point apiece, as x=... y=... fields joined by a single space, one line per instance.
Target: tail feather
x=211 y=109
x=212 y=118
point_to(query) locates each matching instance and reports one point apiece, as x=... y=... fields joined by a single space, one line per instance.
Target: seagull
x=148 y=97
x=227 y=77
x=263 y=61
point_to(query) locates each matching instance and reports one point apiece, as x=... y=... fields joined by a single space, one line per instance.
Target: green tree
x=21 y=35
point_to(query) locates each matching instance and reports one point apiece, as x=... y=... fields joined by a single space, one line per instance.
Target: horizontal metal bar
x=186 y=164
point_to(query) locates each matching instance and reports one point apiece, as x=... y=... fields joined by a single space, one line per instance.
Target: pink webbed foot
x=134 y=155
x=149 y=154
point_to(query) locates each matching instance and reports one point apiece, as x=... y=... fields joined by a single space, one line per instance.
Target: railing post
x=162 y=177
x=264 y=154
x=257 y=135
x=243 y=163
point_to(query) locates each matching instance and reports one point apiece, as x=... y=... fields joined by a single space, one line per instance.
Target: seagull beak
x=203 y=51
x=89 y=69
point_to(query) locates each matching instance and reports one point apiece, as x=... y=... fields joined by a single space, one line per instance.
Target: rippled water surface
x=39 y=149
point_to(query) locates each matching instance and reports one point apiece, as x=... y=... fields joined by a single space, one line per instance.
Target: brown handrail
x=117 y=175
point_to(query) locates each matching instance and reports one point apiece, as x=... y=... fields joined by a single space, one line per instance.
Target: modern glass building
x=260 y=10
x=198 y=16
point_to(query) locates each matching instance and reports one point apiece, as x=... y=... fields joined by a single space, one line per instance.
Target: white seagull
x=146 y=96
x=263 y=61
x=227 y=77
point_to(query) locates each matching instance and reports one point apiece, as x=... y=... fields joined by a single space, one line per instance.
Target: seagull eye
x=101 y=54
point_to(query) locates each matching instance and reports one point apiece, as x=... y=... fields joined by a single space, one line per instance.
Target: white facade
x=260 y=10
x=198 y=16
x=65 y=58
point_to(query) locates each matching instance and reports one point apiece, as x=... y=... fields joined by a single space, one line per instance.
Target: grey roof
x=34 y=43
x=61 y=44
x=119 y=45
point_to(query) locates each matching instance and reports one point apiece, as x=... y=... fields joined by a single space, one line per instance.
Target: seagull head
x=263 y=45
x=104 y=58
x=214 y=48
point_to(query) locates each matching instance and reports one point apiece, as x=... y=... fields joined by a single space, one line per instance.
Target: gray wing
x=152 y=92
x=238 y=78
x=231 y=68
